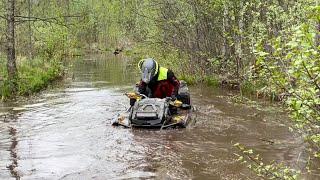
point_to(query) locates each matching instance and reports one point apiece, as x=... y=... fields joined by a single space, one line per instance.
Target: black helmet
x=149 y=69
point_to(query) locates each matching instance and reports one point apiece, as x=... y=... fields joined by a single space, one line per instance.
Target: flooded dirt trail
x=66 y=132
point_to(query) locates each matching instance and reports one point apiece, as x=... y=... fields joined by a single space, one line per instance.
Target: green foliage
x=292 y=68
x=53 y=42
x=248 y=88
x=272 y=170
x=33 y=77
x=4 y=85
x=166 y=57
x=190 y=79
x=55 y=29
x=212 y=81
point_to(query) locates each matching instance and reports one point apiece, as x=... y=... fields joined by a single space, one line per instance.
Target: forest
x=266 y=49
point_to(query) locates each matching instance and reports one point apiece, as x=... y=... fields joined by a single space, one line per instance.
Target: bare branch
x=48 y=20
x=32 y=17
x=54 y=20
x=3 y=17
x=310 y=76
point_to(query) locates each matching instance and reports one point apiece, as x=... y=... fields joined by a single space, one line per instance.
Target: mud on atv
x=156 y=112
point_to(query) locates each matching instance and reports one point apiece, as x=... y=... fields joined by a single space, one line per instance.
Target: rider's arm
x=174 y=81
x=142 y=88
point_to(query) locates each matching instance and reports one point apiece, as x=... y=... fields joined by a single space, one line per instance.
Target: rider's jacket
x=164 y=84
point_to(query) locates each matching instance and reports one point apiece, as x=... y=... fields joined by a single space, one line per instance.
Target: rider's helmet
x=149 y=69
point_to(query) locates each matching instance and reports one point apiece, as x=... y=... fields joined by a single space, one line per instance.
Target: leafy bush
x=292 y=68
x=272 y=170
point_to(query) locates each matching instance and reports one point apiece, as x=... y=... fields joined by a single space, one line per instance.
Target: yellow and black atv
x=156 y=112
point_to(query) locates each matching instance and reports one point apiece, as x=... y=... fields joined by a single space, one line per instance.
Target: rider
x=156 y=81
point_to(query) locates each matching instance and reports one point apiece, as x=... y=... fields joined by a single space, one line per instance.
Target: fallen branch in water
x=266 y=140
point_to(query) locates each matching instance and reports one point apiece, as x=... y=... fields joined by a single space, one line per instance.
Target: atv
x=155 y=112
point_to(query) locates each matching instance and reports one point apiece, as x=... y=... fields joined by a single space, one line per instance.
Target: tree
x=30 y=46
x=10 y=45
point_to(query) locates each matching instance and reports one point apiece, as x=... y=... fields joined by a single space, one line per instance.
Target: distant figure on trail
x=156 y=81
x=118 y=51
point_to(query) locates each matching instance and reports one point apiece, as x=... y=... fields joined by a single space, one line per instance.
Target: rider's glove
x=132 y=101
x=173 y=97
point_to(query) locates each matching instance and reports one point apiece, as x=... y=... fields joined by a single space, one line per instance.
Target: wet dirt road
x=66 y=133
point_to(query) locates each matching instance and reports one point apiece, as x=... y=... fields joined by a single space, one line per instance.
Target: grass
x=190 y=79
x=33 y=76
x=212 y=81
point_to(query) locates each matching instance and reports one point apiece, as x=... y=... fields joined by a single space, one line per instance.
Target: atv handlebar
x=134 y=95
x=138 y=96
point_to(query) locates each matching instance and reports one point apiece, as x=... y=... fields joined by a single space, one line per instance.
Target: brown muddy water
x=66 y=132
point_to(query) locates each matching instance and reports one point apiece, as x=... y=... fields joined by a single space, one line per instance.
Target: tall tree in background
x=317 y=37
x=30 y=31
x=11 y=52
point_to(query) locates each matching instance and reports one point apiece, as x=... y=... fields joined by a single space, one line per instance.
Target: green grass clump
x=190 y=79
x=33 y=76
x=212 y=81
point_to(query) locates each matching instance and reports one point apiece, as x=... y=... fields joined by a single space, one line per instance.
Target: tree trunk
x=317 y=38
x=239 y=39
x=226 y=48
x=30 y=31
x=224 y=31
x=11 y=54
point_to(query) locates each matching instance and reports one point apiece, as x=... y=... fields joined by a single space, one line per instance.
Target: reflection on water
x=66 y=133
x=101 y=73
x=14 y=142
